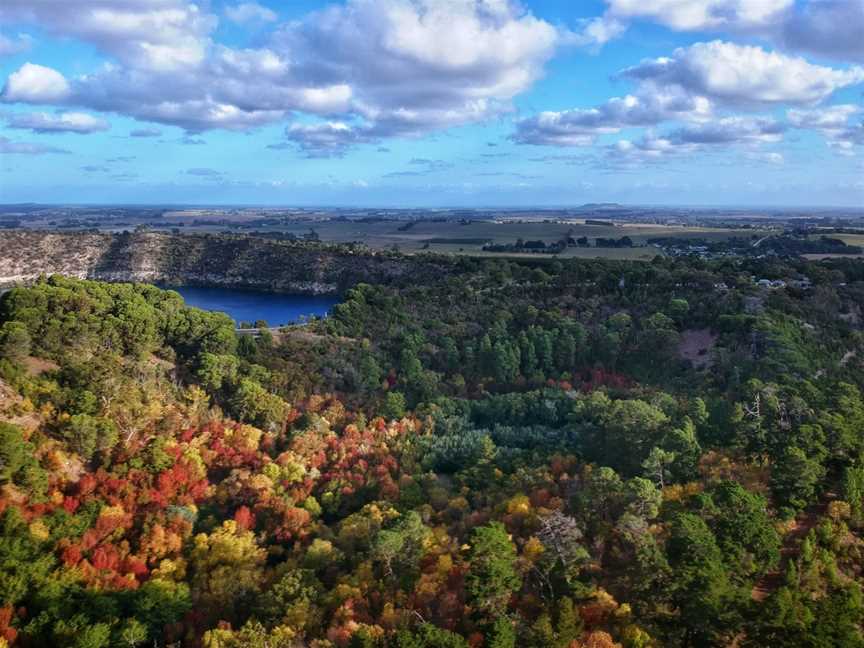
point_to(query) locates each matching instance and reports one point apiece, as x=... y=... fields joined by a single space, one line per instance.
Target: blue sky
x=433 y=102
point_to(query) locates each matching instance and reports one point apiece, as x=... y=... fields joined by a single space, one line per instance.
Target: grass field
x=457 y=238
x=848 y=239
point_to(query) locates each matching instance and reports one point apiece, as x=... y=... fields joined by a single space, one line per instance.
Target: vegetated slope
x=206 y=259
x=507 y=455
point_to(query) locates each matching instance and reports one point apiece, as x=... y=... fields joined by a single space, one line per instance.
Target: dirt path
x=773 y=580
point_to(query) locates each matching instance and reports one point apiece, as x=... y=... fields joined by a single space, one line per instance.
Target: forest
x=533 y=453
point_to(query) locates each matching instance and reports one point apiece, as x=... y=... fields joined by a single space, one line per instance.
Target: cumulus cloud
x=731 y=130
x=581 y=126
x=152 y=34
x=326 y=139
x=744 y=75
x=35 y=84
x=10 y=45
x=743 y=131
x=649 y=148
x=833 y=123
x=691 y=86
x=394 y=67
x=420 y=65
x=829 y=118
x=247 y=12
x=233 y=90
x=388 y=67
x=596 y=32
x=831 y=28
x=7 y=146
x=63 y=122
x=687 y=15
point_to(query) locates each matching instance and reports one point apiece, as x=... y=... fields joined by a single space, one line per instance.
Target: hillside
x=199 y=259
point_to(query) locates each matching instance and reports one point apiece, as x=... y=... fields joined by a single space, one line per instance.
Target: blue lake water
x=250 y=305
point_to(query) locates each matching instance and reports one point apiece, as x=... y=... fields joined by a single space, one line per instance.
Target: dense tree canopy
x=513 y=453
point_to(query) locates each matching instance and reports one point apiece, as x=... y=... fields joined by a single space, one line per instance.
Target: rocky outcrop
x=229 y=260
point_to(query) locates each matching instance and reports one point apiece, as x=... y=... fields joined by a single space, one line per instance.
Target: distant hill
x=596 y=206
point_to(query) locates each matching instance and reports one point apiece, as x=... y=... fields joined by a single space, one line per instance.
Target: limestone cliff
x=229 y=260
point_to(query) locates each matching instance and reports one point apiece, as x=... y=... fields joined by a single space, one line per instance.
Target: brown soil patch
x=37 y=366
x=11 y=410
x=696 y=346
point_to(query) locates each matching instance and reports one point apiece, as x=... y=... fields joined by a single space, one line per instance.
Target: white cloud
x=833 y=123
x=691 y=86
x=391 y=67
x=10 y=45
x=580 y=126
x=828 y=118
x=64 y=122
x=687 y=15
x=596 y=32
x=37 y=84
x=731 y=130
x=650 y=148
x=9 y=147
x=153 y=34
x=774 y=158
x=745 y=75
x=832 y=28
x=419 y=65
x=326 y=139
x=828 y=28
x=723 y=133
x=247 y=12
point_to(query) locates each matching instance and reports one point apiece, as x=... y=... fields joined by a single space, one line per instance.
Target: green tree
x=401 y=544
x=853 y=491
x=709 y=606
x=503 y=634
x=14 y=341
x=25 y=565
x=744 y=530
x=14 y=451
x=795 y=478
x=251 y=402
x=429 y=636
x=371 y=373
x=158 y=603
x=393 y=406
x=657 y=466
x=88 y=435
x=678 y=309
x=492 y=576
x=214 y=371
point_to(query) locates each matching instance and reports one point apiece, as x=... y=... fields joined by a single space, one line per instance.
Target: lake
x=252 y=305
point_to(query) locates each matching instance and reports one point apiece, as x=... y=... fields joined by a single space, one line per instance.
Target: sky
x=425 y=103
